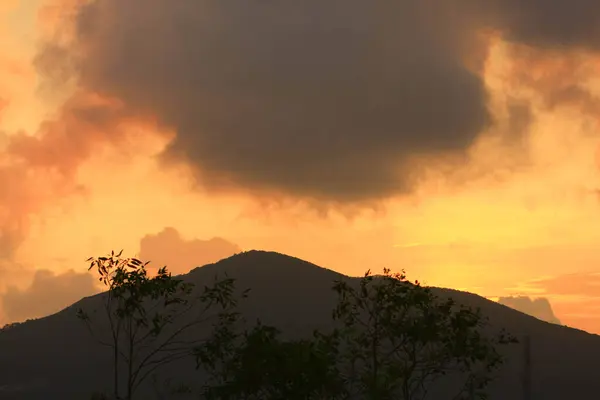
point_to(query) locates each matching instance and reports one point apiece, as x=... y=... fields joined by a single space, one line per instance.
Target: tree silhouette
x=148 y=318
x=397 y=339
x=394 y=340
x=258 y=365
x=391 y=339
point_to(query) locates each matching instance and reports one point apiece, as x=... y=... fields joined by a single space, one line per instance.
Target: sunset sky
x=458 y=140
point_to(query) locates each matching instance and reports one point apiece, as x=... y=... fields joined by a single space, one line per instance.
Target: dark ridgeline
x=55 y=357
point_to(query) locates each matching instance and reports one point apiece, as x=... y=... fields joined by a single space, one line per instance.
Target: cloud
x=179 y=255
x=322 y=99
x=41 y=169
x=580 y=283
x=3 y=105
x=546 y=24
x=41 y=165
x=539 y=307
x=48 y=293
x=575 y=297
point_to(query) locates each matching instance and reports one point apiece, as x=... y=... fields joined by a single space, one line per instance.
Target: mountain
x=56 y=358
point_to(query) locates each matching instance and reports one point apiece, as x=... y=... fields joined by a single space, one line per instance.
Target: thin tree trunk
x=116 y=371
x=130 y=382
x=375 y=360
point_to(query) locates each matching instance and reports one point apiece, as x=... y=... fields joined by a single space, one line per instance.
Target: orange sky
x=530 y=231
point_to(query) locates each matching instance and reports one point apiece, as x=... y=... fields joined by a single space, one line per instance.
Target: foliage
x=148 y=317
x=397 y=338
x=393 y=340
x=10 y=326
x=259 y=365
x=13 y=325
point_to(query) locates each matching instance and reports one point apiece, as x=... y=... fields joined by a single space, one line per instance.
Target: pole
x=527 y=368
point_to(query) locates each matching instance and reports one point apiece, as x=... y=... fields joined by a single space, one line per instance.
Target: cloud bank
x=324 y=99
x=180 y=255
x=48 y=293
x=538 y=307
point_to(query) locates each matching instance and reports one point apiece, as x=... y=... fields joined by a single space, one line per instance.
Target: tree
x=397 y=338
x=150 y=320
x=259 y=365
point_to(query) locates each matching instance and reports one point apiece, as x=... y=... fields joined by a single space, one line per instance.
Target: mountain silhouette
x=56 y=358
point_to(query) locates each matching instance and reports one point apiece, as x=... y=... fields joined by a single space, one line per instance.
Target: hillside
x=55 y=357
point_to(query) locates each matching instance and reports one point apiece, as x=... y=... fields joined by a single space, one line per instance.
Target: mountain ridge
x=55 y=357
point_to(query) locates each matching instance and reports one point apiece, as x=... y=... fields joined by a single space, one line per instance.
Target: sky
x=457 y=140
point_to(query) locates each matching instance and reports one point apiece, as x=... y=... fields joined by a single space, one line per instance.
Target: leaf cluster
x=260 y=365
x=399 y=337
x=150 y=317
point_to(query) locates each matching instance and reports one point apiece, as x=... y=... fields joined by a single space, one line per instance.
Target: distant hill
x=55 y=357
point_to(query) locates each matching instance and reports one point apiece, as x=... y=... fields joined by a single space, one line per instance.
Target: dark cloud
x=539 y=307
x=180 y=255
x=325 y=99
x=547 y=23
x=318 y=98
x=47 y=294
